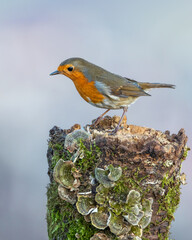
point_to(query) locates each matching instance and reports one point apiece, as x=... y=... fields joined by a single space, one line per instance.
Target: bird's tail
x=145 y=85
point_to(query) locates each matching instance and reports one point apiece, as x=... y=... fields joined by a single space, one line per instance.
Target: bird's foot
x=94 y=124
x=114 y=131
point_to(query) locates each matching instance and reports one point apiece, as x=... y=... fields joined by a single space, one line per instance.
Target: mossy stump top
x=122 y=186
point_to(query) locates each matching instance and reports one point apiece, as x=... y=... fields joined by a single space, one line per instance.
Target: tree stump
x=122 y=186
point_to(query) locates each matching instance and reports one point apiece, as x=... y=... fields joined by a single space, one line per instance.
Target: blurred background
x=143 y=40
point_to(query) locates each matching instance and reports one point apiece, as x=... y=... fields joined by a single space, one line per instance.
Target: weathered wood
x=150 y=162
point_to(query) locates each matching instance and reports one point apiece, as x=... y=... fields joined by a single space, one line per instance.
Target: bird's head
x=72 y=68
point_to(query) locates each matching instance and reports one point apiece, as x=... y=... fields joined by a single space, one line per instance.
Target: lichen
x=168 y=163
x=182 y=178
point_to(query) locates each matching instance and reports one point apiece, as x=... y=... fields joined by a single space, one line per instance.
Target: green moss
x=136 y=173
x=162 y=237
x=146 y=231
x=55 y=216
x=186 y=150
x=81 y=228
x=136 y=176
x=58 y=153
x=125 y=184
x=170 y=201
x=63 y=220
x=120 y=189
x=137 y=231
x=89 y=159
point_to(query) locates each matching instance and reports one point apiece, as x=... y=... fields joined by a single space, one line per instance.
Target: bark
x=150 y=161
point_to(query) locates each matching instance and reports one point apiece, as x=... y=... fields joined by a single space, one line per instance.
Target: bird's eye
x=70 y=69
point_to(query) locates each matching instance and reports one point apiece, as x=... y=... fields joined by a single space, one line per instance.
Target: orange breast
x=86 y=89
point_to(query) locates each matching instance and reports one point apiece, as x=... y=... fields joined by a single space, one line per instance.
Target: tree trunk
x=122 y=186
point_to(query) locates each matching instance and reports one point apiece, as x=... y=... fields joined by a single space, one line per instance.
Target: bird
x=104 y=89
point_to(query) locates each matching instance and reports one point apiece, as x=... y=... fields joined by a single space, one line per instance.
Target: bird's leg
x=100 y=117
x=118 y=126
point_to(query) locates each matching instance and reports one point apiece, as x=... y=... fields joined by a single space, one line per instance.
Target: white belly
x=115 y=103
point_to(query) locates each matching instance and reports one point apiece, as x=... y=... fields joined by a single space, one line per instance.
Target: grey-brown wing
x=120 y=86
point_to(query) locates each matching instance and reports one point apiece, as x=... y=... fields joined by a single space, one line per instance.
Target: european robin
x=102 y=88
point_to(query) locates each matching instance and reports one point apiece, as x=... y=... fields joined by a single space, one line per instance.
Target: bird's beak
x=54 y=73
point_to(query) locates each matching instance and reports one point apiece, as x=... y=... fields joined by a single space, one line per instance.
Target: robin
x=104 y=89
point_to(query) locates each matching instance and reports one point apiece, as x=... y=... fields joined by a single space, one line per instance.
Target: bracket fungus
x=115 y=223
x=102 y=194
x=66 y=194
x=136 y=238
x=85 y=203
x=100 y=198
x=114 y=172
x=103 y=208
x=113 y=212
x=137 y=231
x=109 y=176
x=147 y=209
x=139 y=213
x=101 y=176
x=72 y=139
x=99 y=219
x=99 y=236
x=133 y=208
x=65 y=173
x=133 y=197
